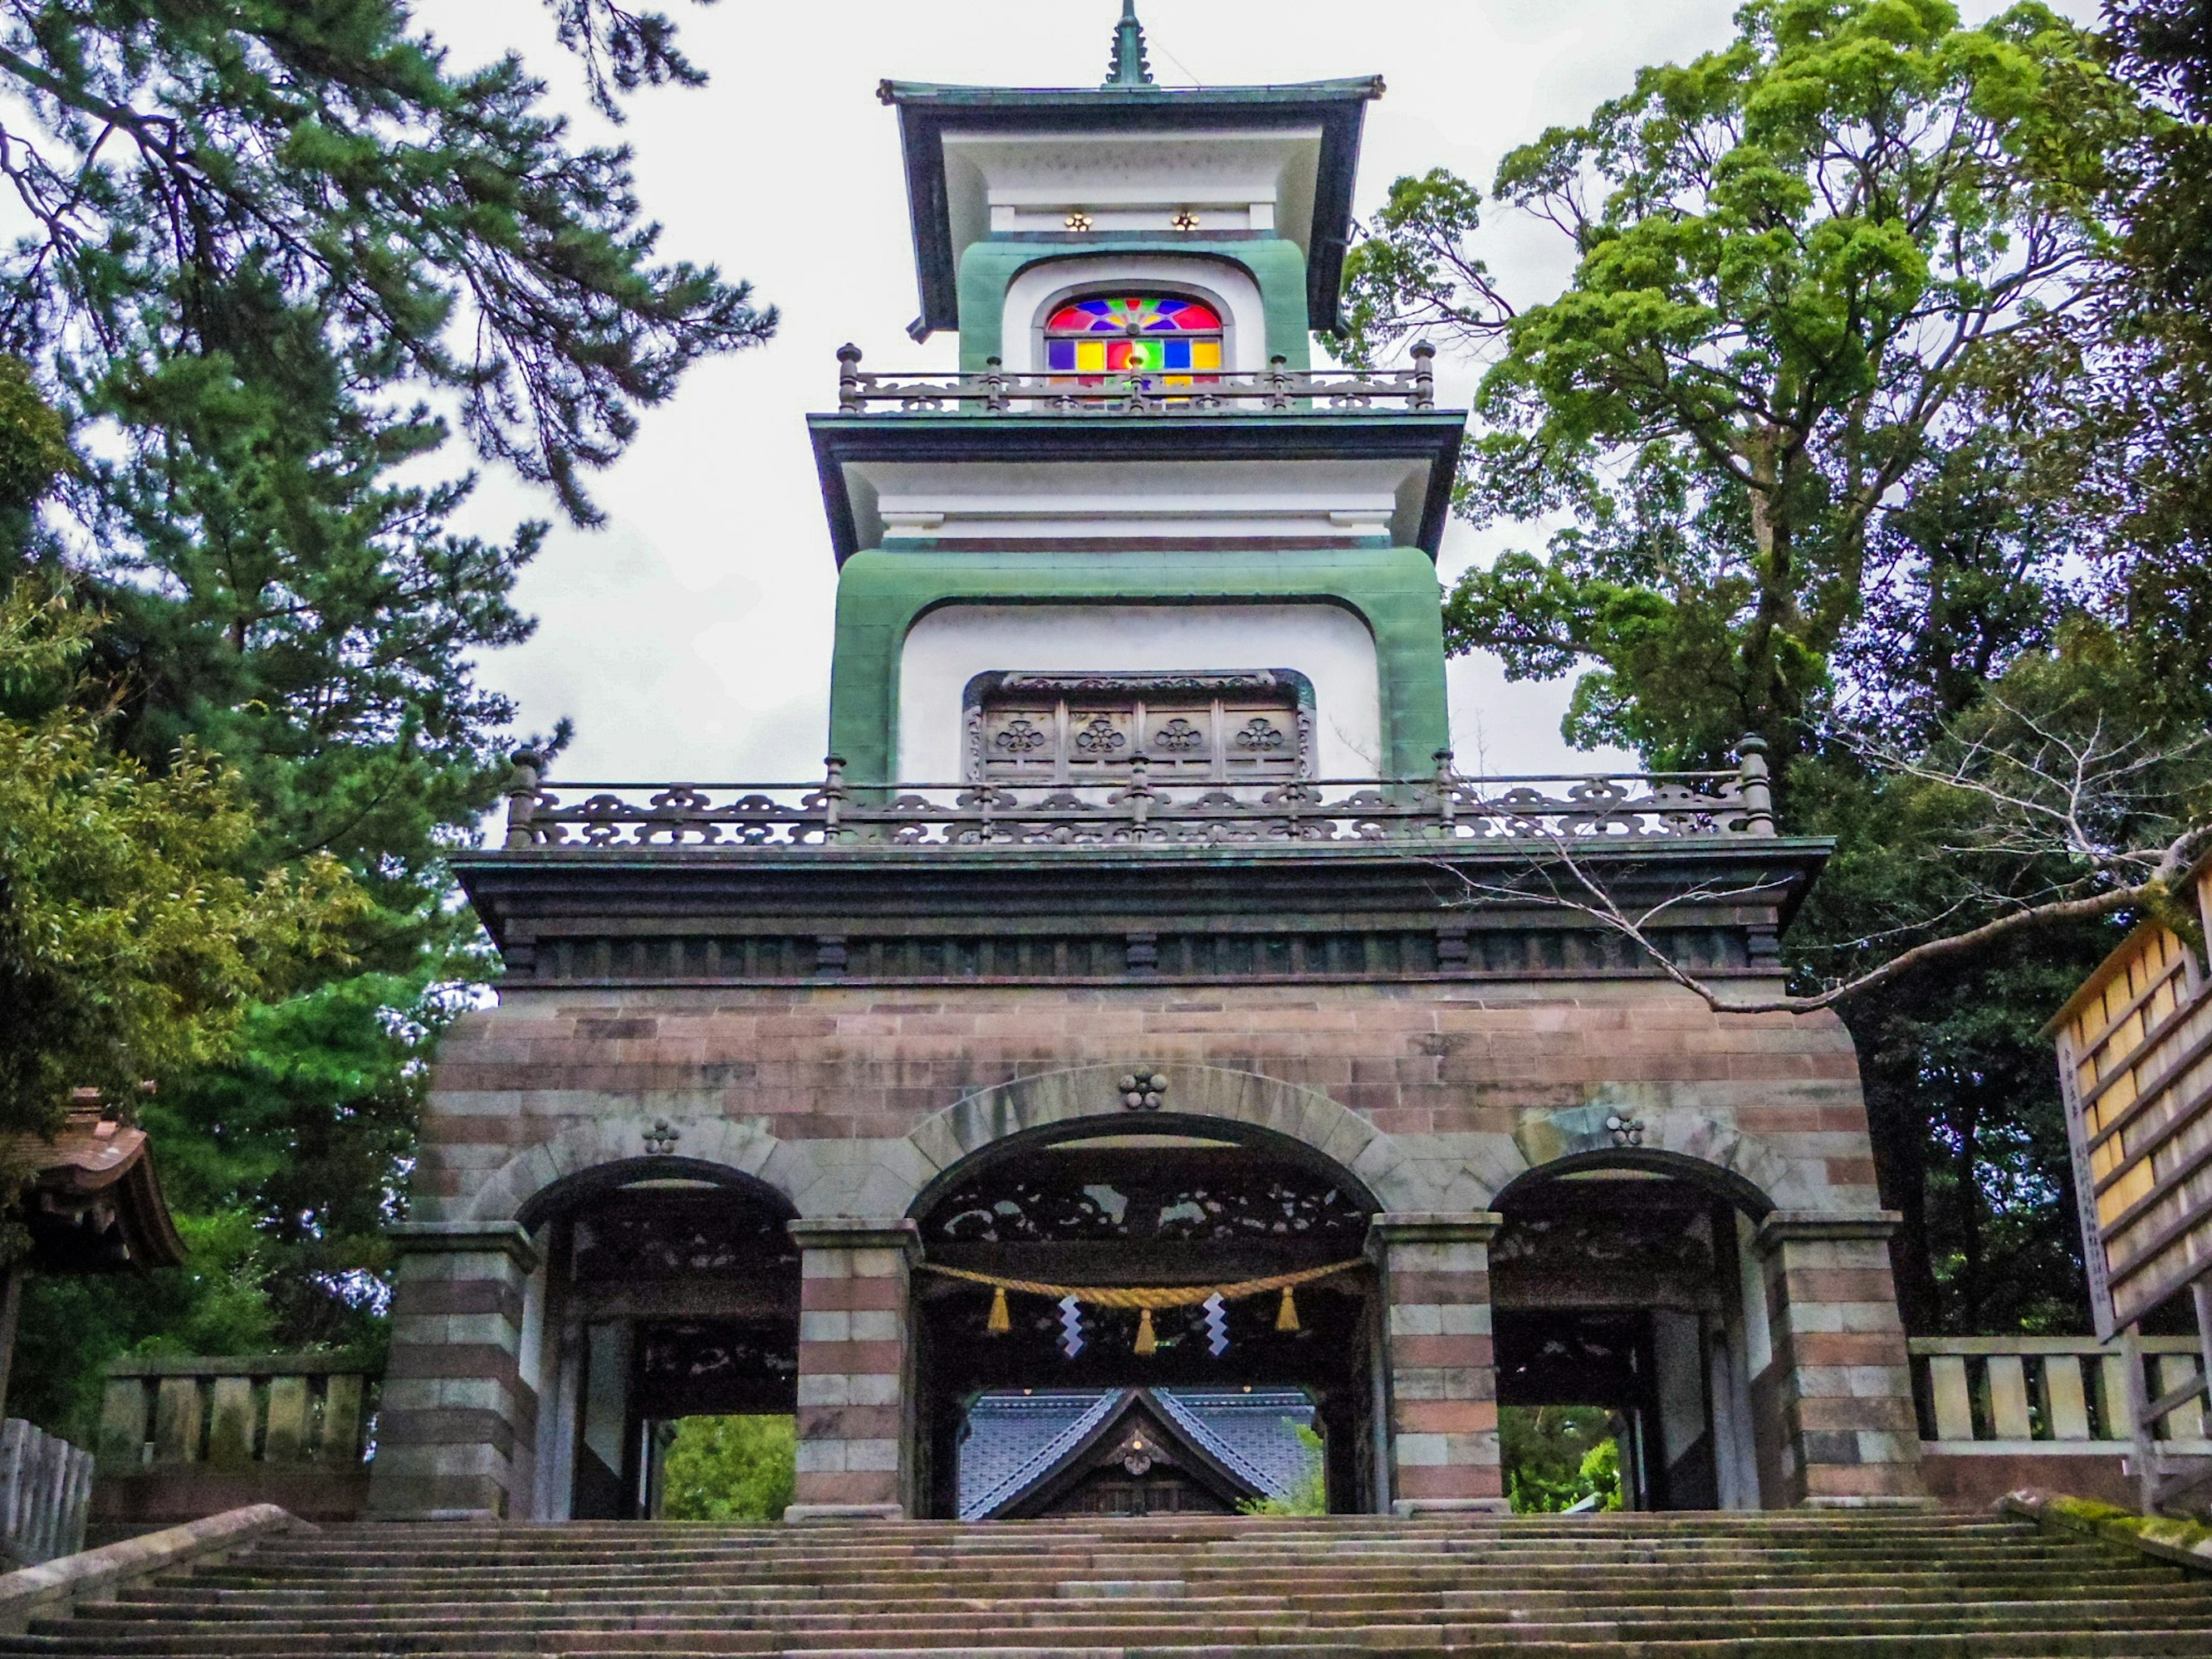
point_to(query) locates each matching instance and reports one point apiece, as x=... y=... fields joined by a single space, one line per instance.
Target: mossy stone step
x=1765 y=1587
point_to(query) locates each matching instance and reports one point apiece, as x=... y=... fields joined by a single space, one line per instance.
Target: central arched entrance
x=1169 y=1201
x=1628 y=1307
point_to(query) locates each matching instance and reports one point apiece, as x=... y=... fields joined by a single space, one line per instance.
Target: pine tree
x=283 y=254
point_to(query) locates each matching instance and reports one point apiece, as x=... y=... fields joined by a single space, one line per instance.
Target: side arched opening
x=1630 y=1319
x=1069 y=1409
x=669 y=1292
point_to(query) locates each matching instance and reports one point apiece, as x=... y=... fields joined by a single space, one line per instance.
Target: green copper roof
x=1138 y=104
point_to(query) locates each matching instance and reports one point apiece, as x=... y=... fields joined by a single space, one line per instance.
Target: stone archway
x=1057 y=1193
x=1689 y=1142
x=1622 y=1283
x=1024 y=1106
x=661 y=1283
x=517 y=1188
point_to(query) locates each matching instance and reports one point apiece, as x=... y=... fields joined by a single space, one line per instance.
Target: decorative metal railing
x=2054 y=1394
x=165 y=1409
x=1445 y=808
x=1278 y=386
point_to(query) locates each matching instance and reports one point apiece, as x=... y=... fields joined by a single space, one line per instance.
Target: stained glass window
x=1135 y=334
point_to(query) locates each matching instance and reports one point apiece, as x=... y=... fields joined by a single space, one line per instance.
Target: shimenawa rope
x=1143 y=1298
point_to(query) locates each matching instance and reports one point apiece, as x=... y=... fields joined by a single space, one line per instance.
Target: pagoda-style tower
x=1142 y=1000
x=1224 y=599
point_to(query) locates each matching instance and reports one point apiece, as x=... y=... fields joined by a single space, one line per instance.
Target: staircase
x=1780 y=1586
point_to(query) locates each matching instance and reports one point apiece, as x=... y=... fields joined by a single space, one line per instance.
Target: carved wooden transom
x=1216 y=1195
x=627 y=1240
x=1198 y=728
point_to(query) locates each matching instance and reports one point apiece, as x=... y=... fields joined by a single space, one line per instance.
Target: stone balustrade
x=272 y=1408
x=2048 y=1394
x=182 y=1436
x=2001 y=1412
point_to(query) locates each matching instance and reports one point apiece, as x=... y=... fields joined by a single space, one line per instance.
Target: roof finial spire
x=1129 y=66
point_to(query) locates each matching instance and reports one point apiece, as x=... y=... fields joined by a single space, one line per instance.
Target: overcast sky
x=690 y=637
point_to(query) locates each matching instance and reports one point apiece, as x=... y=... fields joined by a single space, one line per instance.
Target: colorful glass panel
x=1148 y=314
x=1177 y=339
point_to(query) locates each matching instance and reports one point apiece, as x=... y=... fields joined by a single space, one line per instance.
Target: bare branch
x=1585 y=894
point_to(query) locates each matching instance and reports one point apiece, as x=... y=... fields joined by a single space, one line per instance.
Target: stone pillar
x=1849 y=1434
x=856 y=1368
x=1442 y=1377
x=457 y=1429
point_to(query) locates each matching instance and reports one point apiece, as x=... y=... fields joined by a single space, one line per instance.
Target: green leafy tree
x=1873 y=418
x=130 y=948
x=735 y=1470
x=1311 y=1495
x=1556 y=1456
x=1798 y=257
x=217 y=1302
x=306 y=1128
x=281 y=254
x=273 y=241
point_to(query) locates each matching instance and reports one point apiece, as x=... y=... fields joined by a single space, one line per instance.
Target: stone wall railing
x=1274 y=389
x=271 y=1409
x=45 y=1495
x=1445 y=809
x=2049 y=1394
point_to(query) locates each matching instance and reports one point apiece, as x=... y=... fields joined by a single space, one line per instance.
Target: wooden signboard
x=2135 y=1065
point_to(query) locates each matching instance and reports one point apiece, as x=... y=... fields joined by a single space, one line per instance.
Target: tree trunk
x=1965 y=1162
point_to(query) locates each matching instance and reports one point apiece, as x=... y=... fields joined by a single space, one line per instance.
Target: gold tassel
x=1286 y=1315
x=999 y=1322
x=1146 y=1344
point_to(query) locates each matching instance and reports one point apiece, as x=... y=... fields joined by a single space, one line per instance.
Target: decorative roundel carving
x=1141 y=1091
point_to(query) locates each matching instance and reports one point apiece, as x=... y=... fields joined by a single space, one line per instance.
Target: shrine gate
x=1188 y=1020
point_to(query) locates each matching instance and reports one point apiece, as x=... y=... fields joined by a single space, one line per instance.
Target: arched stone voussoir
x=858 y=1178
x=1441 y=1176
x=732 y=1143
x=1628 y=1130
x=1021 y=1105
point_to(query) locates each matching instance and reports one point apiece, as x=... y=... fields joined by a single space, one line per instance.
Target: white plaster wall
x=1346 y=500
x=1257 y=180
x=1033 y=294
x=951 y=645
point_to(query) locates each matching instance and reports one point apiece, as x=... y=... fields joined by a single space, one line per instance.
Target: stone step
x=2088 y=1611
x=180 y=1602
x=1767 y=1587
x=1183 y=1566
x=1154 y=1625
x=1932 y=1578
x=677 y=1540
x=2147 y=1642
x=682 y=1547
x=1364 y=1560
x=1173 y=1567
x=1002 y=1537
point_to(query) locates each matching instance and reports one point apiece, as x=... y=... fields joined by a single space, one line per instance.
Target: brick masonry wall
x=853 y=1366
x=1448 y=1071
x=850 y=1100
x=1849 y=1432
x=456 y=1420
x=1443 y=1373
